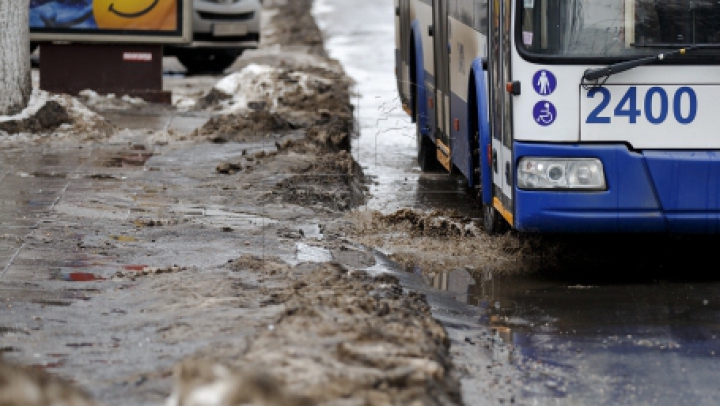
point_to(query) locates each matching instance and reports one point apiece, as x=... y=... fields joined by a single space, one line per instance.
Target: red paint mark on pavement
x=50 y=365
x=82 y=277
x=135 y=267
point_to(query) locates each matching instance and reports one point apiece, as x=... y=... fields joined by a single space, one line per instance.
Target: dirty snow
x=265 y=84
x=37 y=100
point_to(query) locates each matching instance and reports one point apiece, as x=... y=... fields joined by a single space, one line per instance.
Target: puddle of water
x=570 y=329
x=457 y=281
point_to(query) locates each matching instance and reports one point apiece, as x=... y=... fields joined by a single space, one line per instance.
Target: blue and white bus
x=570 y=115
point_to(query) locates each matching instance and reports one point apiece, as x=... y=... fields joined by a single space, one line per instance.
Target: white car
x=222 y=30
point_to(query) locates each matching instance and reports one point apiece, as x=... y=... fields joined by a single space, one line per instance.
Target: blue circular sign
x=544 y=113
x=544 y=82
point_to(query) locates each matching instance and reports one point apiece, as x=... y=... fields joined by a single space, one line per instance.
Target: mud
x=435 y=241
x=54 y=117
x=24 y=386
x=333 y=181
x=244 y=126
x=50 y=116
x=347 y=335
x=304 y=96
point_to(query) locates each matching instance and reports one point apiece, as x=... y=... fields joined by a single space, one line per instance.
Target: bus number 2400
x=628 y=105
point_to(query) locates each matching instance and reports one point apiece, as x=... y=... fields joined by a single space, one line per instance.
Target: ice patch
x=308 y=253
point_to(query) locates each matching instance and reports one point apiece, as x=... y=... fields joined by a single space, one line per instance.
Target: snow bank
x=267 y=85
x=84 y=123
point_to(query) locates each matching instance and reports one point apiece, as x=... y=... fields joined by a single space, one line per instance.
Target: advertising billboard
x=136 y=21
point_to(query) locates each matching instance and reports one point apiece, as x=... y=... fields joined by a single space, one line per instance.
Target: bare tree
x=15 y=81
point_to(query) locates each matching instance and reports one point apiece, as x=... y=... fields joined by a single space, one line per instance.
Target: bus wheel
x=493 y=223
x=426 y=152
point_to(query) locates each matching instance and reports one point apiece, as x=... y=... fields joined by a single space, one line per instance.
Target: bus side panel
x=481 y=94
x=465 y=44
x=628 y=205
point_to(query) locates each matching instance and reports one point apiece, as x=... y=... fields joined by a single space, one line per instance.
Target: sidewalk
x=178 y=245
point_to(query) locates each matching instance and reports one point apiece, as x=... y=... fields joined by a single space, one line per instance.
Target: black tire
x=200 y=61
x=493 y=222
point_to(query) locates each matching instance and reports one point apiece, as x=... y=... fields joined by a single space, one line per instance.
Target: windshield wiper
x=595 y=74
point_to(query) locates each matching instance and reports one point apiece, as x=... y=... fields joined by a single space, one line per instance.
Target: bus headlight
x=557 y=173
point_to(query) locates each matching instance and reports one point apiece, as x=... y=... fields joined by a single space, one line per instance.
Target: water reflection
x=600 y=337
x=457 y=281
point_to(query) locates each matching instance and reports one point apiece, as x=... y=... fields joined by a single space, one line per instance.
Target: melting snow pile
x=110 y=101
x=57 y=115
x=260 y=87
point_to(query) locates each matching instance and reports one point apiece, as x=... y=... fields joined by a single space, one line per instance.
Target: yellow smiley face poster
x=160 y=15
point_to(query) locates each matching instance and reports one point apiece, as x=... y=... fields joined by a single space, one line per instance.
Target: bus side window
x=481 y=16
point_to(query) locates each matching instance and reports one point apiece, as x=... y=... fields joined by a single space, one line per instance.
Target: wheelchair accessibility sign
x=544 y=113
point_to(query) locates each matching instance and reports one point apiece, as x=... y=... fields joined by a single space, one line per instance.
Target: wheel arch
x=479 y=93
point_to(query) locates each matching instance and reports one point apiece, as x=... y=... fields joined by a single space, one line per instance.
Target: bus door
x=501 y=104
x=441 y=46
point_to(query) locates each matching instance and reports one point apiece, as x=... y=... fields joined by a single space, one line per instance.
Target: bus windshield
x=615 y=28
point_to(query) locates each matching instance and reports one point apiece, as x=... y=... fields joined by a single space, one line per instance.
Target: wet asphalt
x=613 y=320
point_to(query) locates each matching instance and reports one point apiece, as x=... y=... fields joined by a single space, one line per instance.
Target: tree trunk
x=15 y=81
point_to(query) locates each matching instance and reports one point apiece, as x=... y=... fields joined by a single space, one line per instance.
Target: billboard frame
x=183 y=35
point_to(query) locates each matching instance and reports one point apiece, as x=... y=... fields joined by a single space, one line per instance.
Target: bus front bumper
x=647 y=192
